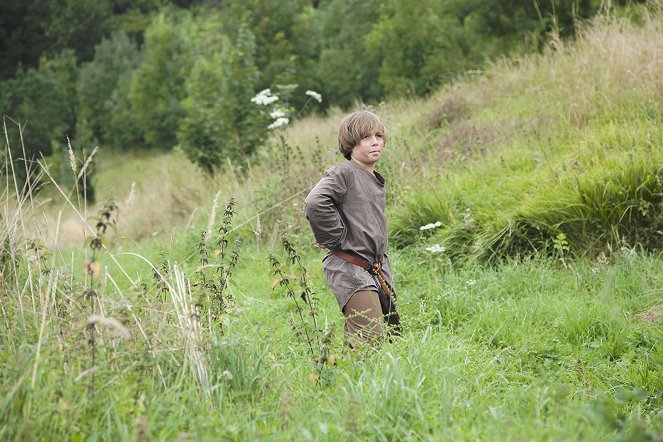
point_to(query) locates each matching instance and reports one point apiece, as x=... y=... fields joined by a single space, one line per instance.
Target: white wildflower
x=430 y=226
x=264 y=97
x=316 y=96
x=471 y=282
x=278 y=123
x=276 y=113
x=436 y=248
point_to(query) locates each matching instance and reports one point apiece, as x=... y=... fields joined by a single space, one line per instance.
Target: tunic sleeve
x=321 y=208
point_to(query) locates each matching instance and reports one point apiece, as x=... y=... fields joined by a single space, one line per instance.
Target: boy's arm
x=322 y=211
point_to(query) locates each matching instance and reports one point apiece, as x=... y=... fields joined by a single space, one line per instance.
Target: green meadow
x=185 y=306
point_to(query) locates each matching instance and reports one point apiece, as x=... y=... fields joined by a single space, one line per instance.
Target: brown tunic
x=346 y=210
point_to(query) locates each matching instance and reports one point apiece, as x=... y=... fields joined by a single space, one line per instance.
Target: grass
x=512 y=332
x=528 y=350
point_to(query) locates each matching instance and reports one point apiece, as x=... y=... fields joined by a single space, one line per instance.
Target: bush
x=99 y=104
x=219 y=119
x=43 y=102
x=157 y=86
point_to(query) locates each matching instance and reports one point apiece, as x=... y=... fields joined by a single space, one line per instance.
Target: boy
x=346 y=210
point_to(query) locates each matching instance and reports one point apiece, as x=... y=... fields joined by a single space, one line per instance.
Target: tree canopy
x=181 y=74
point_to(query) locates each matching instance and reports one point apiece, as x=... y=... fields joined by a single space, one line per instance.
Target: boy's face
x=369 y=149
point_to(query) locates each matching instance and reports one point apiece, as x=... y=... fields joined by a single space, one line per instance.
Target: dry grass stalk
x=87 y=163
x=131 y=198
x=112 y=324
x=72 y=157
x=45 y=303
x=187 y=318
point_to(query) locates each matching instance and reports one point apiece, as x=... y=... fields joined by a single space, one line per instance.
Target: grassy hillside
x=566 y=143
x=174 y=314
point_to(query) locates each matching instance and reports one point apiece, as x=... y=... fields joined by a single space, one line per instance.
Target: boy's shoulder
x=344 y=169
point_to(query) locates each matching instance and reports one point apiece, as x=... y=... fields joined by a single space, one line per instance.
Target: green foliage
x=282 y=51
x=132 y=17
x=32 y=29
x=157 y=85
x=42 y=101
x=436 y=49
x=347 y=70
x=78 y=25
x=219 y=121
x=22 y=39
x=124 y=131
x=518 y=19
x=348 y=50
x=99 y=107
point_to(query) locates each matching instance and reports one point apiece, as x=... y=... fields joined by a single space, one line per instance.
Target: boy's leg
x=364 y=321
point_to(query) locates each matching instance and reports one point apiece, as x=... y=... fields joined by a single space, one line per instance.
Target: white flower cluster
x=471 y=282
x=316 y=96
x=264 y=98
x=281 y=121
x=436 y=248
x=430 y=226
x=277 y=113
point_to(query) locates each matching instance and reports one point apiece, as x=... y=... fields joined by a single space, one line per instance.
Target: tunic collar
x=379 y=179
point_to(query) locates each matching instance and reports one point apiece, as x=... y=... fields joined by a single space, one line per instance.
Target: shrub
x=99 y=106
x=157 y=86
x=219 y=119
x=43 y=102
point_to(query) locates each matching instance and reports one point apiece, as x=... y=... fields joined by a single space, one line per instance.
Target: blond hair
x=356 y=126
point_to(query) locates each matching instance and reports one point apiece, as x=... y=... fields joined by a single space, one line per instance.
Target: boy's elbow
x=307 y=208
x=312 y=203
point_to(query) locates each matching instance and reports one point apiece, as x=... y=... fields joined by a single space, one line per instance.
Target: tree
x=434 y=51
x=346 y=68
x=22 y=35
x=157 y=86
x=219 y=119
x=43 y=101
x=115 y=58
x=525 y=25
x=281 y=55
x=79 y=25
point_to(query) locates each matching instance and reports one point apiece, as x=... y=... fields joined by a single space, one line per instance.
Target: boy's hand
x=320 y=246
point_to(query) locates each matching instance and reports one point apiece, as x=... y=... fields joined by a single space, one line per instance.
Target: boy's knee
x=363 y=318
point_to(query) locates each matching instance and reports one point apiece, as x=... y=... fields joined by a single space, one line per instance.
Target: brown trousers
x=364 y=322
